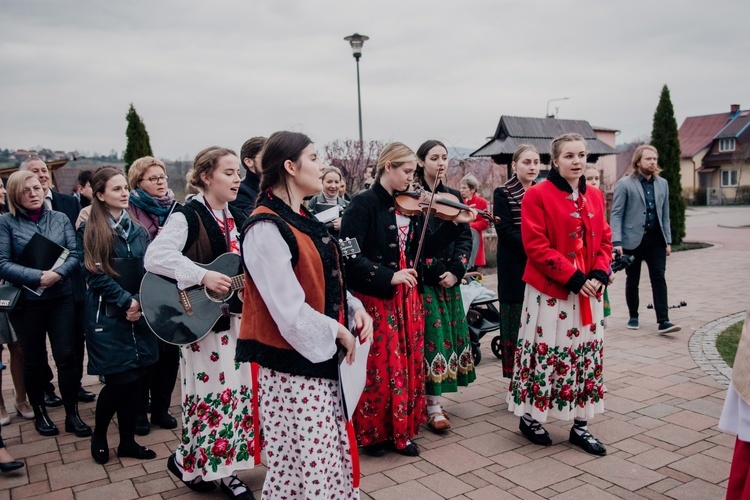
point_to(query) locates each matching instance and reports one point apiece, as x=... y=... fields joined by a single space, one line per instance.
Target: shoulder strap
x=284 y=229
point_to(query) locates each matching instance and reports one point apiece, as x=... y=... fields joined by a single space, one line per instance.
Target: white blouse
x=164 y=255
x=269 y=262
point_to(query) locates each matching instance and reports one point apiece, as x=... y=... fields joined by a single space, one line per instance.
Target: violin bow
x=426 y=220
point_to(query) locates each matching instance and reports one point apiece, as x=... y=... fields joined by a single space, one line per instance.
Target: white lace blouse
x=269 y=262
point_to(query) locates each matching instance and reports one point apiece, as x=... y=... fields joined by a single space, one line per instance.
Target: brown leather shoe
x=438 y=426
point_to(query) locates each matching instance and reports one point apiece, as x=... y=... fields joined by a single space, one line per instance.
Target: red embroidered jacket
x=550 y=229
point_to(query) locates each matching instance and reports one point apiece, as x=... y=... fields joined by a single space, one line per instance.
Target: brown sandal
x=438 y=426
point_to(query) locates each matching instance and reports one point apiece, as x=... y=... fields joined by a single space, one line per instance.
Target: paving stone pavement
x=659 y=426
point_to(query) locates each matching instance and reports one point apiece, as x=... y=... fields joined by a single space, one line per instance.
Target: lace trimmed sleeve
x=269 y=263
x=164 y=255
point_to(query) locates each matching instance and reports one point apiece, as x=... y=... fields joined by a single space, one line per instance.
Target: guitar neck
x=238 y=282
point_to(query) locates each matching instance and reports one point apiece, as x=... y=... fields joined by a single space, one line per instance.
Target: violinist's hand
x=448 y=279
x=348 y=342
x=337 y=224
x=363 y=322
x=591 y=288
x=405 y=276
x=466 y=216
x=217 y=282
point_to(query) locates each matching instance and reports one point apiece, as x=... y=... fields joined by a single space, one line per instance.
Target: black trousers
x=160 y=380
x=33 y=322
x=80 y=308
x=653 y=251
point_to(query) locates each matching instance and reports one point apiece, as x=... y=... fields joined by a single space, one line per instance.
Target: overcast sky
x=202 y=73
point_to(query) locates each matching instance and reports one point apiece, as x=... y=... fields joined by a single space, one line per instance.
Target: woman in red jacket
x=558 y=361
x=469 y=186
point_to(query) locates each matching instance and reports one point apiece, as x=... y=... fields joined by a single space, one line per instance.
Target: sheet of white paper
x=328 y=215
x=352 y=378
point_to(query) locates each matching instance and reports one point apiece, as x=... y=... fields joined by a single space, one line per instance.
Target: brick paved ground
x=659 y=427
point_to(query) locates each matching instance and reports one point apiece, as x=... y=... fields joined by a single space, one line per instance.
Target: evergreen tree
x=666 y=141
x=138 y=141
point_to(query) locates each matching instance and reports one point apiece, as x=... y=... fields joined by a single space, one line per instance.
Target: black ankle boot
x=74 y=424
x=42 y=422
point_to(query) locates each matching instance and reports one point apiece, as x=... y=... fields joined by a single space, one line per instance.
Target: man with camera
x=641 y=228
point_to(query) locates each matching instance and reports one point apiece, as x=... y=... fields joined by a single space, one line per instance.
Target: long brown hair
x=99 y=238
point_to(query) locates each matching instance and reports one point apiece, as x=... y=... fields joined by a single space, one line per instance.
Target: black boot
x=42 y=422
x=74 y=424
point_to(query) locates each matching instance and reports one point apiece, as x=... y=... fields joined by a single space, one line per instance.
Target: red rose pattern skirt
x=393 y=404
x=217 y=421
x=305 y=438
x=558 y=368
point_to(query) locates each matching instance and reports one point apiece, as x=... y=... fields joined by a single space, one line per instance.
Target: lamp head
x=356 y=41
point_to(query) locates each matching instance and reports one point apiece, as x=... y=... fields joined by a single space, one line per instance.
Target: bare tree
x=346 y=156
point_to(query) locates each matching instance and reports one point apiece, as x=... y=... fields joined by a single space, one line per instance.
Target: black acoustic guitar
x=182 y=317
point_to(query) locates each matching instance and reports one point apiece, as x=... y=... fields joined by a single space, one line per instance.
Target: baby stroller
x=482 y=315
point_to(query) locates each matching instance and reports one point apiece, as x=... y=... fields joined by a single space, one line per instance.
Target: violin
x=446 y=206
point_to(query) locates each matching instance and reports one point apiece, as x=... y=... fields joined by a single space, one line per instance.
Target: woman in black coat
x=48 y=310
x=511 y=256
x=119 y=343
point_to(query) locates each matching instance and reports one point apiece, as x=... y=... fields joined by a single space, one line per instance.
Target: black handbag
x=10 y=297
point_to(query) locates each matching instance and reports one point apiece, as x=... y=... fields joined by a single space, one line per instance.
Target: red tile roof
x=697 y=132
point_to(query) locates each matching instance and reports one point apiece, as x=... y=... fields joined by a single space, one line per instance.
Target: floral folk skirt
x=510 y=322
x=217 y=421
x=393 y=404
x=558 y=362
x=305 y=438
x=447 y=348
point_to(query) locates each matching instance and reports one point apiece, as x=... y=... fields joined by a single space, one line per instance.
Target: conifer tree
x=138 y=141
x=664 y=138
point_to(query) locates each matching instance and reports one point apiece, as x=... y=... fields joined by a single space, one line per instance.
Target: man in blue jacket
x=641 y=227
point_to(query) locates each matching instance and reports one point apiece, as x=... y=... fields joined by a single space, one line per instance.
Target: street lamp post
x=553 y=100
x=356 y=41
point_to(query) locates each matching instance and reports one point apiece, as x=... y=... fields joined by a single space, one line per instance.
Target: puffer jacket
x=15 y=233
x=114 y=344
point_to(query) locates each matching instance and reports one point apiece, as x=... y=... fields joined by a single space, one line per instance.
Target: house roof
x=513 y=131
x=736 y=126
x=697 y=132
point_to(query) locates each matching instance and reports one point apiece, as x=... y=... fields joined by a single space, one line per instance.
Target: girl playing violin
x=385 y=279
x=448 y=359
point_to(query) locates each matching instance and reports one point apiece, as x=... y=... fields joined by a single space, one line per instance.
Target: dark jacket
x=114 y=344
x=248 y=194
x=371 y=220
x=15 y=233
x=312 y=205
x=455 y=256
x=70 y=206
x=511 y=256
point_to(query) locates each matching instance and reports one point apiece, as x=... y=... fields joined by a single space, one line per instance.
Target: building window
x=728 y=178
x=726 y=145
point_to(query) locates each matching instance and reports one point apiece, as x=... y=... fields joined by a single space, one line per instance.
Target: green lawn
x=726 y=343
x=690 y=245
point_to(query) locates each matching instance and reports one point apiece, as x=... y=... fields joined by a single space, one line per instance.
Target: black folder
x=40 y=253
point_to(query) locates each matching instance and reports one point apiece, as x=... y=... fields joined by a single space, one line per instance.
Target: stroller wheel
x=476 y=353
x=496 y=347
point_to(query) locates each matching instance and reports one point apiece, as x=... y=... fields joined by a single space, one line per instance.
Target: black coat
x=114 y=344
x=371 y=219
x=455 y=256
x=511 y=256
x=247 y=194
x=70 y=206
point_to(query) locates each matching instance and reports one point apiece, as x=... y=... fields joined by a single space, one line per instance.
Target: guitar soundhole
x=218 y=297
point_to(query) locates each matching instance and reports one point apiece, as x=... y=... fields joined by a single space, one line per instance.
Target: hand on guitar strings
x=217 y=282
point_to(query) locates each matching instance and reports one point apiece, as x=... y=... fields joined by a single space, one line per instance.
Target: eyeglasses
x=155 y=179
x=36 y=189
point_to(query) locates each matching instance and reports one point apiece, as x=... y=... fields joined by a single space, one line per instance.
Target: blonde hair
x=638 y=155
x=395 y=153
x=139 y=166
x=556 y=147
x=329 y=170
x=205 y=163
x=14 y=189
x=521 y=149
